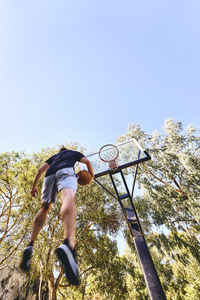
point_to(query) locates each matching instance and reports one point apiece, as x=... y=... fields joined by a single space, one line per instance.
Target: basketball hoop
x=109 y=153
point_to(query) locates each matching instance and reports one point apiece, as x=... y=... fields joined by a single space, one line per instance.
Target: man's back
x=64 y=159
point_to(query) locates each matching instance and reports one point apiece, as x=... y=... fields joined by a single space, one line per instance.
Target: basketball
x=84 y=177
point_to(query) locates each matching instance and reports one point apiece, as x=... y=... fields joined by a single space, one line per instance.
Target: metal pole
x=149 y=271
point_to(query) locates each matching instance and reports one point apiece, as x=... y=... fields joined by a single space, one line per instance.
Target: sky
x=83 y=70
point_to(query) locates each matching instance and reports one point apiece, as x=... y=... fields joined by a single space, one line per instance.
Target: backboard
x=112 y=159
x=130 y=153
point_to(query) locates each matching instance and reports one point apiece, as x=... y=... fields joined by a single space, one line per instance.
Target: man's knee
x=46 y=206
x=68 y=204
x=42 y=213
x=68 y=207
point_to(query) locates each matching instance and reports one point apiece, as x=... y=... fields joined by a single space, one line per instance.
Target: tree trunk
x=52 y=290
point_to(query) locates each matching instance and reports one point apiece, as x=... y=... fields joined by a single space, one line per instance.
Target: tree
x=15 y=169
x=97 y=216
x=168 y=208
x=169 y=204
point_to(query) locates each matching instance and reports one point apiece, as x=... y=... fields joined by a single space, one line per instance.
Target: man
x=59 y=177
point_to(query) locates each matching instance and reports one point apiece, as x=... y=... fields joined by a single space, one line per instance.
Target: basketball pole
x=149 y=271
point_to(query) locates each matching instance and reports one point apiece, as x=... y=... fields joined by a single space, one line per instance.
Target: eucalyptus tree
x=168 y=202
x=97 y=218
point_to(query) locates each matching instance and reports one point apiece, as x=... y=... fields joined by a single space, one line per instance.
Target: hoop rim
x=110 y=160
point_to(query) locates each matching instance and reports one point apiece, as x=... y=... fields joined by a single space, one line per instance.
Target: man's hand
x=41 y=170
x=84 y=160
x=92 y=177
x=34 y=192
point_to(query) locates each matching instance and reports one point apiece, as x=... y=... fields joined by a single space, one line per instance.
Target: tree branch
x=13 y=250
x=155 y=176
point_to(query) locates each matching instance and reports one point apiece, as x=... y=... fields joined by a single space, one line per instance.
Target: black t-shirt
x=64 y=159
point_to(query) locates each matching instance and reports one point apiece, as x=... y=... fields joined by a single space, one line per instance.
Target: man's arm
x=86 y=161
x=41 y=170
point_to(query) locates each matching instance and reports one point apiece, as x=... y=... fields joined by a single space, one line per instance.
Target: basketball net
x=113 y=164
x=109 y=154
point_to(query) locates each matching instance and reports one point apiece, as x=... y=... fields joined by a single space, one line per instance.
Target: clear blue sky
x=83 y=70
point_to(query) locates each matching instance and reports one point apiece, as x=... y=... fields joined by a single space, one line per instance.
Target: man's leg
x=68 y=214
x=40 y=220
x=38 y=223
x=65 y=252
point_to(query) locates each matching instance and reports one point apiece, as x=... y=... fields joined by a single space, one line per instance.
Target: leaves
x=170 y=202
x=97 y=217
x=167 y=205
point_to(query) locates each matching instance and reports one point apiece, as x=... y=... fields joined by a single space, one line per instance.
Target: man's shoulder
x=76 y=152
x=51 y=158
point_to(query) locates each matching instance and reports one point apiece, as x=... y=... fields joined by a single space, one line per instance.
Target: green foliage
x=168 y=207
x=97 y=216
x=134 y=277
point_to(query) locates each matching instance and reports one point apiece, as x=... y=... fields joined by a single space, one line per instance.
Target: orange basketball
x=84 y=177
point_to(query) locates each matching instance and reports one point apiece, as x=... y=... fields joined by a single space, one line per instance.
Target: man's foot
x=25 y=264
x=67 y=256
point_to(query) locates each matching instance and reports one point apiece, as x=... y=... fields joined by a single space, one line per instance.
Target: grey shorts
x=52 y=184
